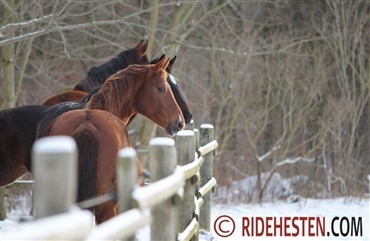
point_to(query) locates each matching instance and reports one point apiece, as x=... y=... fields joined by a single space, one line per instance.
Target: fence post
x=190 y=126
x=206 y=136
x=162 y=163
x=186 y=154
x=126 y=179
x=2 y=203
x=196 y=186
x=54 y=161
x=196 y=138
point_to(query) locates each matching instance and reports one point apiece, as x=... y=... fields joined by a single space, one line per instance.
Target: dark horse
x=100 y=133
x=17 y=135
x=96 y=76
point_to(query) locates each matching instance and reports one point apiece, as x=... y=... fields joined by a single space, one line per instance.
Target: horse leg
x=105 y=211
x=13 y=157
x=140 y=172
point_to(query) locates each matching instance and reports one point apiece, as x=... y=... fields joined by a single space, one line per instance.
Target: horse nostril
x=180 y=125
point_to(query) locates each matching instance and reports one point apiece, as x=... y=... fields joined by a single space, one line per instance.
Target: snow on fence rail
x=179 y=194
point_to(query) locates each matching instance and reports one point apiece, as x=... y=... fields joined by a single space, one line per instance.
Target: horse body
x=96 y=143
x=100 y=126
x=18 y=133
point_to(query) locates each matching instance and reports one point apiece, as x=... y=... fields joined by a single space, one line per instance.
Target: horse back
x=72 y=95
x=50 y=114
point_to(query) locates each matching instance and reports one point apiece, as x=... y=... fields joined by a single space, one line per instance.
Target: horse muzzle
x=172 y=129
x=188 y=117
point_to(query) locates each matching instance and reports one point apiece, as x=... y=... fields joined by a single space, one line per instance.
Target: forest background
x=285 y=82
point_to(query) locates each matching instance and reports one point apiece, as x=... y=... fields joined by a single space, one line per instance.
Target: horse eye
x=161 y=89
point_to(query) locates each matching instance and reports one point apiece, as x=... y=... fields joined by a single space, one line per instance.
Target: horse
x=17 y=135
x=26 y=121
x=100 y=132
x=53 y=112
x=96 y=76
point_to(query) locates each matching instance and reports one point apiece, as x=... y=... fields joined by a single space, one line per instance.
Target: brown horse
x=97 y=75
x=100 y=133
x=60 y=108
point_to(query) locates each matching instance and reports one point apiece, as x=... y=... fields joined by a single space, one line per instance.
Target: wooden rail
x=179 y=195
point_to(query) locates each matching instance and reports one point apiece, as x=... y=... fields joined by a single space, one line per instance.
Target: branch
x=63 y=39
x=196 y=24
x=257 y=53
x=9 y=8
x=55 y=29
x=287 y=161
x=22 y=24
x=263 y=157
x=77 y=26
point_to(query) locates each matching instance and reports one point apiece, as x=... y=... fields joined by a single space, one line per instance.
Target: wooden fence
x=178 y=196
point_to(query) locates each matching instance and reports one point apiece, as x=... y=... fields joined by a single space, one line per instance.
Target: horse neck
x=117 y=96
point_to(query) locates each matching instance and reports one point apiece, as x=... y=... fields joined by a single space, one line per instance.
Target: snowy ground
x=328 y=208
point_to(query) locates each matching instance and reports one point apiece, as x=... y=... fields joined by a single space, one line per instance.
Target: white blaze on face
x=173 y=79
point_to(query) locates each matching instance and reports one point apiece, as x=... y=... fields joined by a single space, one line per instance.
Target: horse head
x=156 y=100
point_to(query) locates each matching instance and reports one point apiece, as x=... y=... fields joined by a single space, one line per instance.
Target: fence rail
x=179 y=194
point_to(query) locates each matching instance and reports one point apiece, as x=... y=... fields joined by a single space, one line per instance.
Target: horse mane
x=118 y=89
x=88 y=97
x=96 y=76
x=102 y=72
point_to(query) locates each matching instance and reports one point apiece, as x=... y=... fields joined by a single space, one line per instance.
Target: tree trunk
x=8 y=97
x=146 y=128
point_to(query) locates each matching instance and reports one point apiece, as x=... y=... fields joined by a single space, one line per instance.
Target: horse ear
x=162 y=64
x=141 y=46
x=162 y=57
x=170 y=65
x=138 y=45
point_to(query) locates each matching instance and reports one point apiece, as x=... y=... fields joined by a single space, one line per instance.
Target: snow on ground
x=328 y=208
